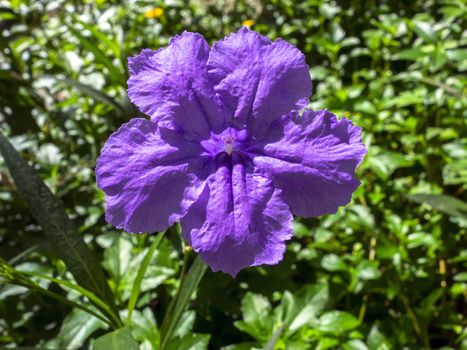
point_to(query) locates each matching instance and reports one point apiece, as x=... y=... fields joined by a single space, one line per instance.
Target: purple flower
x=226 y=152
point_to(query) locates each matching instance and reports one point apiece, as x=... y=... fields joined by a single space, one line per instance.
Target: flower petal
x=150 y=176
x=239 y=220
x=313 y=159
x=171 y=85
x=258 y=80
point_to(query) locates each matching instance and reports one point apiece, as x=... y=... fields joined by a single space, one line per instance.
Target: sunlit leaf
x=49 y=212
x=121 y=339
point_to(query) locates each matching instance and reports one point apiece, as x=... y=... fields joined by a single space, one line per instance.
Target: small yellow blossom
x=248 y=23
x=155 y=12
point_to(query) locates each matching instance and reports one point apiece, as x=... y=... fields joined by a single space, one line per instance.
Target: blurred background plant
x=385 y=272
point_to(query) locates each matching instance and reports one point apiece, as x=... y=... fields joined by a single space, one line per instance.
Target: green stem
x=63 y=300
x=189 y=281
x=186 y=254
x=139 y=277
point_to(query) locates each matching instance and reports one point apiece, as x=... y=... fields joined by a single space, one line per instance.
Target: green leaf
x=461 y=277
x=102 y=38
x=190 y=342
x=97 y=95
x=426 y=31
x=333 y=262
x=455 y=173
x=410 y=54
x=271 y=344
x=444 y=203
x=13 y=276
x=257 y=316
x=185 y=325
x=327 y=343
x=116 y=74
x=242 y=346
x=354 y=344
x=337 y=322
x=368 y=270
x=123 y=261
x=76 y=329
x=387 y=162
x=139 y=277
x=255 y=307
x=459 y=55
x=121 y=339
x=377 y=340
x=101 y=305
x=309 y=302
x=144 y=327
x=418 y=239
x=57 y=227
x=179 y=303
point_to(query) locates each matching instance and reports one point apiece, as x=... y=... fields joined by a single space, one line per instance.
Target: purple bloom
x=226 y=153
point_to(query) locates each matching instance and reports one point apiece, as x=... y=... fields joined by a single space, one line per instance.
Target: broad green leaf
x=377 y=340
x=418 y=239
x=255 y=307
x=144 y=327
x=337 y=322
x=309 y=303
x=461 y=277
x=257 y=316
x=333 y=262
x=354 y=344
x=76 y=329
x=410 y=54
x=406 y=98
x=243 y=346
x=459 y=55
x=121 y=339
x=190 y=342
x=387 y=162
x=51 y=215
x=456 y=149
x=178 y=305
x=455 y=173
x=185 y=325
x=327 y=343
x=426 y=31
x=368 y=270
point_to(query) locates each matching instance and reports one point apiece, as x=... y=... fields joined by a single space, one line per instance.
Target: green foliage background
x=385 y=272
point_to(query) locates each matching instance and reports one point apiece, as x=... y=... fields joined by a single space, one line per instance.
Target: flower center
x=229 y=143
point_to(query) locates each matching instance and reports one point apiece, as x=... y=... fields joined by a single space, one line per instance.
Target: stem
x=64 y=300
x=135 y=292
x=416 y=325
x=445 y=87
x=371 y=257
x=186 y=253
x=188 y=283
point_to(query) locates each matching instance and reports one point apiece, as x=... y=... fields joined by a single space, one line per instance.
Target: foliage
x=385 y=272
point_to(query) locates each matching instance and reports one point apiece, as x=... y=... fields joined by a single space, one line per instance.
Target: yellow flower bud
x=155 y=12
x=248 y=23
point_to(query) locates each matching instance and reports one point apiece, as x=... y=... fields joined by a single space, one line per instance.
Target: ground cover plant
x=386 y=271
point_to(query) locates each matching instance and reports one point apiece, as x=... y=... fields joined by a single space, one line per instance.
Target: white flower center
x=229 y=143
